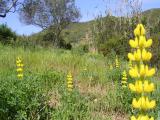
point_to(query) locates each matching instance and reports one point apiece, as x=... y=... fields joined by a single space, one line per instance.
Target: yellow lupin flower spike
x=143 y=103
x=69 y=82
x=117 y=62
x=143 y=71
x=140 y=72
x=140 y=87
x=140 y=55
x=124 y=79
x=20 y=65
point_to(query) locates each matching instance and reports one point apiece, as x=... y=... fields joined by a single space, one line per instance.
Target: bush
x=6 y=34
x=27 y=99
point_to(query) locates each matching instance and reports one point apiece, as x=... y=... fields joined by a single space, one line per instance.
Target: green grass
x=42 y=93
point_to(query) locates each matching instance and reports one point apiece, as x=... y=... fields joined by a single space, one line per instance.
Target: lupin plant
x=69 y=82
x=141 y=73
x=20 y=65
x=124 y=79
x=117 y=62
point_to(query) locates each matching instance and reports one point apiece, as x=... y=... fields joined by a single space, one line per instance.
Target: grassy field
x=42 y=93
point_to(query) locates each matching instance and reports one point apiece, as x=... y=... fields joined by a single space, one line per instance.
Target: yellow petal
x=150 y=72
x=142 y=70
x=143 y=103
x=132 y=87
x=19 y=69
x=148 y=43
x=151 y=104
x=133 y=118
x=131 y=57
x=133 y=44
x=142 y=41
x=137 y=55
x=135 y=103
x=139 y=87
x=148 y=87
x=136 y=32
x=142 y=30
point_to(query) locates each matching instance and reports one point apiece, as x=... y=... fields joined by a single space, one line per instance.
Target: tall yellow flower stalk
x=141 y=72
x=124 y=79
x=117 y=62
x=69 y=82
x=20 y=65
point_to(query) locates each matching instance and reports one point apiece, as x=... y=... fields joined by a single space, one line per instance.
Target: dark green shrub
x=6 y=34
x=27 y=99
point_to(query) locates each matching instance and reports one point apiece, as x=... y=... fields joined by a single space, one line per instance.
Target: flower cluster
x=140 y=71
x=69 y=82
x=117 y=62
x=20 y=65
x=124 y=79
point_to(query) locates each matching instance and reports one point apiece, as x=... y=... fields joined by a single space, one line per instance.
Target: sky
x=89 y=10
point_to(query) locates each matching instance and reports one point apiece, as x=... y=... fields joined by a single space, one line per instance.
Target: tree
x=7 y=6
x=55 y=15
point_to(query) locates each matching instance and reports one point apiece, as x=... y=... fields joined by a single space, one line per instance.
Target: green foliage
x=6 y=34
x=73 y=106
x=42 y=94
x=28 y=98
x=155 y=50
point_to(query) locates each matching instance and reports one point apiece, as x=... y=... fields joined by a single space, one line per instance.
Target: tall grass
x=97 y=94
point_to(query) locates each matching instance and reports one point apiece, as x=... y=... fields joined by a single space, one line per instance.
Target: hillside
x=153 y=16
x=77 y=31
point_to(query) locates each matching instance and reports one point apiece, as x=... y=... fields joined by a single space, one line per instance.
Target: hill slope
x=153 y=16
x=77 y=31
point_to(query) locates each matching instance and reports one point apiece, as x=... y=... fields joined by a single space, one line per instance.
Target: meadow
x=42 y=93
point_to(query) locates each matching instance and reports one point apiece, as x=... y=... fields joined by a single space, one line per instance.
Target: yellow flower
x=19 y=70
x=19 y=67
x=134 y=43
x=20 y=75
x=148 y=87
x=69 y=82
x=146 y=56
x=139 y=30
x=140 y=87
x=117 y=62
x=124 y=79
x=142 y=72
x=137 y=87
x=143 y=103
x=133 y=72
x=142 y=117
x=142 y=41
x=150 y=72
x=140 y=55
x=148 y=43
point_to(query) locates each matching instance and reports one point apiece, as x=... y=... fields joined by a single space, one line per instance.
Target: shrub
x=6 y=34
